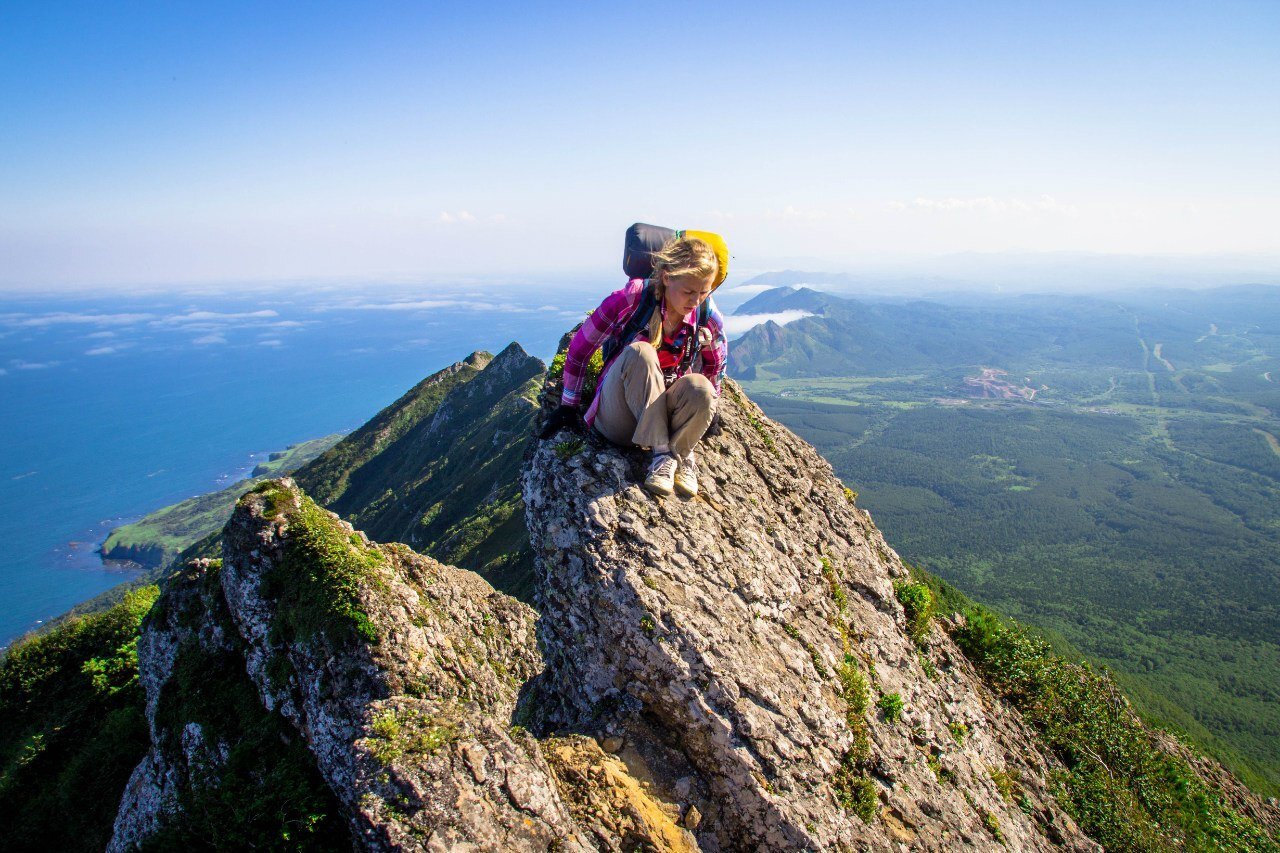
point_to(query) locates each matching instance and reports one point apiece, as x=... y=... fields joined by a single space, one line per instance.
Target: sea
x=114 y=405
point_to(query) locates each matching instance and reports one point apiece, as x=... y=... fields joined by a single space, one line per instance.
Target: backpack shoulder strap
x=638 y=320
x=691 y=346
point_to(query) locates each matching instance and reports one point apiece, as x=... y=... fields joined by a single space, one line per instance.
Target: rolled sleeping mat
x=643 y=240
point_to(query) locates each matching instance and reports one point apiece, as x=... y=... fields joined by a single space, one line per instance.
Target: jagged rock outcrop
x=400 y=672
x=183 y=754
x=222 y=769
x=730 y=642
x=397 y=677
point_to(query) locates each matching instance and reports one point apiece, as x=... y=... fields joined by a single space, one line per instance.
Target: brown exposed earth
x=992 y=385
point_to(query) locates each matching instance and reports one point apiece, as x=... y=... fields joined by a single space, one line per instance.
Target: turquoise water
x=111 y=407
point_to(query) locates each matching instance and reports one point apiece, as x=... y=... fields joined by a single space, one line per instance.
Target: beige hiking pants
x=636 y=407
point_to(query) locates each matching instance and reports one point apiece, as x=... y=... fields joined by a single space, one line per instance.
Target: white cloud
x=745 y=289
x=19 y=364
x=89 y=318
x=988 y=204
x=429 y=304
x=419 y=305
x=204 y=340
x=96 y=335
x=271 y=342
x=215 y=316
x=101 y=351
x=737 y=324
x=448 y=218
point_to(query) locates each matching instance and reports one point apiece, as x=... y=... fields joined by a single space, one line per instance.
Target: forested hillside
x=1107 y=469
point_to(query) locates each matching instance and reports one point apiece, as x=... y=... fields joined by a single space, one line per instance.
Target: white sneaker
x=662 y=474
x=686 y=480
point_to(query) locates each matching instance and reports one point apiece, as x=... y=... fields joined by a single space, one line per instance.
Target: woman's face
x=686 y=292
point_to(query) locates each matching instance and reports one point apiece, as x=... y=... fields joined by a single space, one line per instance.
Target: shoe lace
x=663 y=466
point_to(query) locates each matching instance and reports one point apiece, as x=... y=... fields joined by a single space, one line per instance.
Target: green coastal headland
x=157 y=538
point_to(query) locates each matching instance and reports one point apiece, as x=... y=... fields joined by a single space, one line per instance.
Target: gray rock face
x=732 y=672
x=406 y=698
x=728 y=638
x=182 y=756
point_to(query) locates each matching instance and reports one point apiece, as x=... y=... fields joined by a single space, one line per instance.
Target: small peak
x=512 y=357
x=513 y=350
x=478 y=359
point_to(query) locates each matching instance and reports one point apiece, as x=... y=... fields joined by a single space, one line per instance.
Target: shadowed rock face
x=184 y=754
x=403 y=684
x=399 y=673
x=727 y=640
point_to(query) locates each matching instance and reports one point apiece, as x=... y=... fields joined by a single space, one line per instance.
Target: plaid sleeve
x=615 y=308
x=715 y=353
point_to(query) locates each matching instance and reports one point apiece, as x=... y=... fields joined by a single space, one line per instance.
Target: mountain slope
x=769 y=624
x=1124 y=496
x=437 y=469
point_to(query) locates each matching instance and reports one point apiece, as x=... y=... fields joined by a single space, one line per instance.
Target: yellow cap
x=717 y=244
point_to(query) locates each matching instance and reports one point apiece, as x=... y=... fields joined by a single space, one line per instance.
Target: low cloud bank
x=738 y=324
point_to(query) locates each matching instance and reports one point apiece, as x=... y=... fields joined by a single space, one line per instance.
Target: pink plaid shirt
x=609 y=319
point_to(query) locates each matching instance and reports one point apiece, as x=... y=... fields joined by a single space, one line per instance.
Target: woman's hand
x=564 y=416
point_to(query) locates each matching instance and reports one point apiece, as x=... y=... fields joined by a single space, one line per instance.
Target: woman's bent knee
x=639 y=349
x=697 y=387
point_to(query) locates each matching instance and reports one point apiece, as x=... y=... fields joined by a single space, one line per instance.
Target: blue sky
x=156 y=143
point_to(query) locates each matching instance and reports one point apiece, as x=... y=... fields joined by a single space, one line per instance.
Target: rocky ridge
x=746 y=641
x=732 y=672
x=437 y=469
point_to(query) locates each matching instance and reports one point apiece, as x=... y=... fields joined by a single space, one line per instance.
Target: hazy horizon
x=1025 y=272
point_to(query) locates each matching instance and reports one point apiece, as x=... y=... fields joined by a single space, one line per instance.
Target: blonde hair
x=678 y=256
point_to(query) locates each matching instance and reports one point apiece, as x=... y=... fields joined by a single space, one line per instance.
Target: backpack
x=638 y=247
x=643 y=240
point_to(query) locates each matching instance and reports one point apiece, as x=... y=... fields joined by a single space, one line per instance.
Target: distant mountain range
x=850 y=336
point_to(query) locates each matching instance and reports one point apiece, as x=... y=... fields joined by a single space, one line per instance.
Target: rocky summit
x=732 y=672
x=741 y=645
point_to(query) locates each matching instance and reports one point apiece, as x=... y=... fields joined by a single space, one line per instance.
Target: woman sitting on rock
x=659 y=386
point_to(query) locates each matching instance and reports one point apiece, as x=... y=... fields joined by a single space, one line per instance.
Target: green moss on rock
x=321 y=584
x=268 y=794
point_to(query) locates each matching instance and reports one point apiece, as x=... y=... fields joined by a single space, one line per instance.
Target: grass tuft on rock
x=326 y=573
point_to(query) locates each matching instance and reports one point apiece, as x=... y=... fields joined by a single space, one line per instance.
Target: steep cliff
x=315 y=688
x=751 y=642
